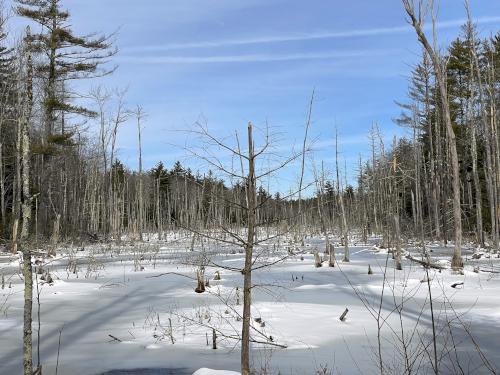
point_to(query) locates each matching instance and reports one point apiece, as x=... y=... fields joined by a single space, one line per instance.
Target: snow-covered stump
x=331 y=259
x=193 y=239
x=200 y=288
x=214 y=339
x=317 y=259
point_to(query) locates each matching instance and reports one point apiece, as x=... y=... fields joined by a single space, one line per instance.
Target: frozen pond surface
x=300 y=305
x=144 y=371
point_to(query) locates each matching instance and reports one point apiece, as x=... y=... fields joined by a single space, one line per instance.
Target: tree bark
x=456 y=261
x=247 y=271
x=26 y=216
x=342 y=207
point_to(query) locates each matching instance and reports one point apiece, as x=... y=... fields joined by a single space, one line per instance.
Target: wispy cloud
x=253 y=57
x=295 y=37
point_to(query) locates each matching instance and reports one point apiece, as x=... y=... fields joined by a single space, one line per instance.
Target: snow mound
x=207 y=371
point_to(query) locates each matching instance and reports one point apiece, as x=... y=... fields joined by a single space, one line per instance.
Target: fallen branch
x=489 y=271
x=114 y=338
x=425 y=263
x=171 y=273
x=342 y=317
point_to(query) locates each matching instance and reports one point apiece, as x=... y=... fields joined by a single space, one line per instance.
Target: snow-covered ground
x=134 y=307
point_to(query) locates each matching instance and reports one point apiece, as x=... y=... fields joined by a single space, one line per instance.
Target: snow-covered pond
x=133 y=310
x=146 y=371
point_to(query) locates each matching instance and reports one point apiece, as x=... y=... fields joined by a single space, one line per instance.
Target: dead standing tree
x=251 y=189
x=417 y=19
x=139 y=114
x=249 y=177
x=24 y=114
x=345 y=229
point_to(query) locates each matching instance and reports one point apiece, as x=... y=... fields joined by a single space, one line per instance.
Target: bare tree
x=345 y=229
x=25 y=102
x=250 y=171
x=417 y=19
x=139 y=114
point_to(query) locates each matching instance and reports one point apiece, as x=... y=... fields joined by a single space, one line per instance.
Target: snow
x=207 y=371
x=298 y=304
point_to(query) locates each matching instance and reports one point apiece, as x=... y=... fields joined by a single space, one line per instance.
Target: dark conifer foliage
x=64 y=57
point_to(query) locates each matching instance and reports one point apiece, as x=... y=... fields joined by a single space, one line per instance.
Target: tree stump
x=343 y=316
x=331 y=260
x=317 y=259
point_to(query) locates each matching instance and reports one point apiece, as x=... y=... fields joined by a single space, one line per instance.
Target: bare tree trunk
x=16 y=189
x=25 y=161
x=432 y=182
x=398 y=242
x=373 y=182
x=158 y=209
x=247 y=272
x=417 y=24
x=140 y=214
x=56 y=230
x=28 y=309
x=477 y=186
x=362 y=199
x=2 y=183
x=308 y=124
x=488 y=133
x=2 y=170
x=345 y=233
x=394 y=202
x=26 y=212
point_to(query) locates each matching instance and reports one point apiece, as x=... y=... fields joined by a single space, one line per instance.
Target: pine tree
x=6 y=56
x=65 y=57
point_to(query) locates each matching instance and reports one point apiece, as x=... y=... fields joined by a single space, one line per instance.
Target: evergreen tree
x=6 y=56
x=159 y=173
x=178 y=170
x=64 y=57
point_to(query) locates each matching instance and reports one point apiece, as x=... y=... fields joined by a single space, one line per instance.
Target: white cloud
x=252 y=57
x=304 y=36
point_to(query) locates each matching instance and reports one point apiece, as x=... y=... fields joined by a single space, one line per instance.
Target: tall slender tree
x=417 y=19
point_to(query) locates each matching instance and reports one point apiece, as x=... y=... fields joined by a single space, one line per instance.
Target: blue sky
x=229 y=62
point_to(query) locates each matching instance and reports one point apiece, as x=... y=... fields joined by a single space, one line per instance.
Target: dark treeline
x=79 y=189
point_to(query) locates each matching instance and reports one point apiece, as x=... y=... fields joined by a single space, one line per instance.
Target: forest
x=111 y=269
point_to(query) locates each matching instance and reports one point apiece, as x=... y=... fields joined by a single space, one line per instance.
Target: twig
x=59 y=348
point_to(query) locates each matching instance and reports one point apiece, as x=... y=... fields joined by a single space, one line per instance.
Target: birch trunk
x=26 y=213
